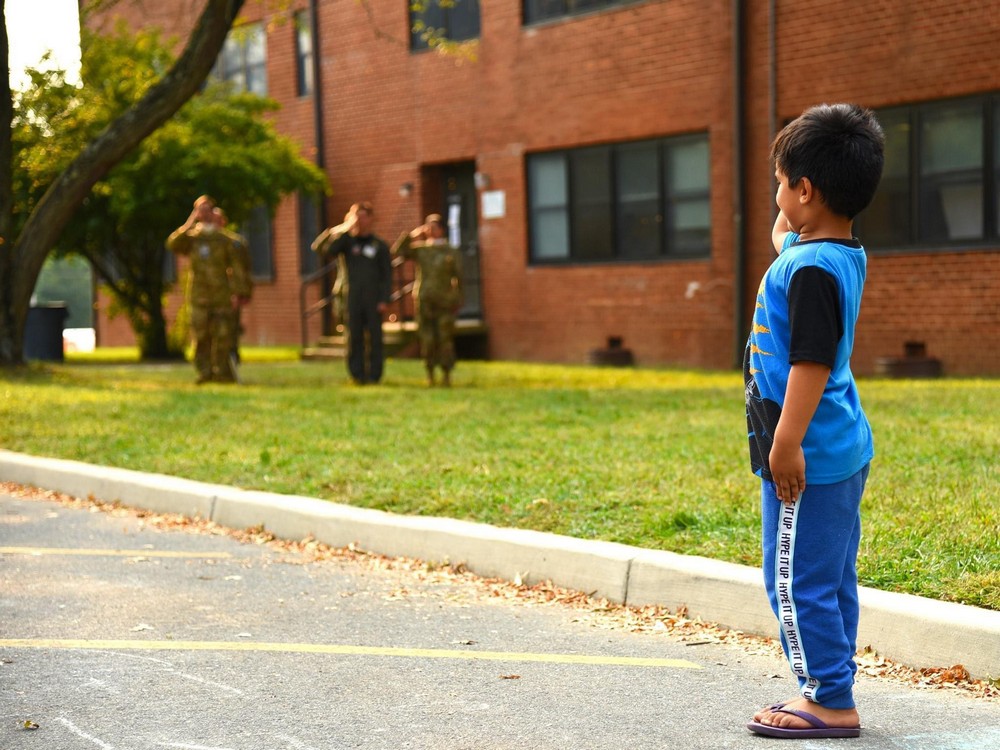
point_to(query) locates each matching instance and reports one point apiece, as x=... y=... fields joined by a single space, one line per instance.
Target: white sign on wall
x=494 y=204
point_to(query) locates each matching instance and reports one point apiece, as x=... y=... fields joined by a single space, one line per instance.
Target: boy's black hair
x=840 y=148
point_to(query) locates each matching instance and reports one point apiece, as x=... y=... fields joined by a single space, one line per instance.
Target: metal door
x=462 y=219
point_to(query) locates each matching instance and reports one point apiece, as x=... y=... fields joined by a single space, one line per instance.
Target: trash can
x=43 y=331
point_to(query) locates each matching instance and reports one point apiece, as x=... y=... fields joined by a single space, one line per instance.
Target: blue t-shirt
x=807 y=308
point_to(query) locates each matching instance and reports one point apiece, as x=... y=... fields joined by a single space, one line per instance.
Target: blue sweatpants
x=810 y=555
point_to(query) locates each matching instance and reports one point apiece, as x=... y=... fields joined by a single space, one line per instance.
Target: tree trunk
x=153 y=343
x=8 y=331
x=21 y=262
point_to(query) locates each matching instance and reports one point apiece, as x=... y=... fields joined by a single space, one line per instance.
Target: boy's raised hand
x=778 y=232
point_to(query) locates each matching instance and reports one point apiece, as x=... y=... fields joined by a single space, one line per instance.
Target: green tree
x=25 y=241
x=220 y=143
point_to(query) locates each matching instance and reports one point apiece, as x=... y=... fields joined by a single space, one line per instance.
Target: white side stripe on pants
x=784 y=562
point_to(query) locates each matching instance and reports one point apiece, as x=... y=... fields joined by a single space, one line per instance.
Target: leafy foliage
x=221 y=143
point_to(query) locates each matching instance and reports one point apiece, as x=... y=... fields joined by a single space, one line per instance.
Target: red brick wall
x=585 y=80
x=880 y=55
x=640 y=71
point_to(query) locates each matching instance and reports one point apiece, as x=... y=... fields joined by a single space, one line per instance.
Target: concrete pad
x=156 y=492
x=729 y=594
x=927 y=632
x=598 y=567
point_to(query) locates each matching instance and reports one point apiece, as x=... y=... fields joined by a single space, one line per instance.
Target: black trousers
x=364 y=337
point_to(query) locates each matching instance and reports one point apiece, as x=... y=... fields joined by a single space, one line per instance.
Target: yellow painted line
x=342 y=650
x=40 y=551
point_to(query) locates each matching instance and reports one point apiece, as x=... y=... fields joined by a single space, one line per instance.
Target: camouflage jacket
x=217 y=268
x=439 y=270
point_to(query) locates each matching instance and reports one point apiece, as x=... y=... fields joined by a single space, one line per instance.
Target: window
x=941 y=183
x=308 y=231
x=634 y=201
x=303 y=54
x=544 y=10
x=257 y=231
x=995 y=213
x=243 y=61
x=886 y=222
x=951 y=173
x=454 y=20
x=169 y=268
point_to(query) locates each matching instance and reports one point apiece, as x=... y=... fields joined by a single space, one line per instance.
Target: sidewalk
x=912 y=630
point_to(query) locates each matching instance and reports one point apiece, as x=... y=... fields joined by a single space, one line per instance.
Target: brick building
x=605 y=162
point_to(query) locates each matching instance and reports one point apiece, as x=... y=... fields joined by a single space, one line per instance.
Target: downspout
x=317 y=99
x=327 y=322
x=772 y=78
x=739 y=192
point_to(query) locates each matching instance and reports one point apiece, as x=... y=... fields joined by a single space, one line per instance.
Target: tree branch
x=70 y=188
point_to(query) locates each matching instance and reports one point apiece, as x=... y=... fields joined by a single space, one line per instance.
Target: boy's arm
x=806 y=383
x=779 y=232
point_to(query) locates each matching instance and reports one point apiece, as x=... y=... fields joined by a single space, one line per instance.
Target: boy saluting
x=809 y=439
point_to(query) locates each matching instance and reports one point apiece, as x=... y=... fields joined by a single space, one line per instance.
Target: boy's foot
x=803 y=718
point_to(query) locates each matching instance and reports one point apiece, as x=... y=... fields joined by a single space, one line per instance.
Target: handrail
x=319 y=273
x=403 y=284
x=403 y=287
x=323 y=302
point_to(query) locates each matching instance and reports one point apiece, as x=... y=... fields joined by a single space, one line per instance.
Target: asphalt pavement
x=119 y=634
x=912 y=630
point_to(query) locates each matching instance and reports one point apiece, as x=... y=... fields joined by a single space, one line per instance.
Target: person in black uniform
x=367 y=265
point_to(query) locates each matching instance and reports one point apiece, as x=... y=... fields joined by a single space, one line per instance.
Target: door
x=462 y=218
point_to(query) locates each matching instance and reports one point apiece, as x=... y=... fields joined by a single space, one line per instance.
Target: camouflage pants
x=436 y=330
x=214 y=330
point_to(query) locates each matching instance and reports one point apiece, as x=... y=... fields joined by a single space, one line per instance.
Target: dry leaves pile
x=592 y=611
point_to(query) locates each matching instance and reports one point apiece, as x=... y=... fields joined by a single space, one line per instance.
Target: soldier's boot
x=446 y=379
x=430 y=377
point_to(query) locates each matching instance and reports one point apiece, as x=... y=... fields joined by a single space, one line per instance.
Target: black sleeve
x=815 y=322
x=340 y=245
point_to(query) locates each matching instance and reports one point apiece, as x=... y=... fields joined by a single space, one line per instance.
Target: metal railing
x=400 y=301
x=325 y=301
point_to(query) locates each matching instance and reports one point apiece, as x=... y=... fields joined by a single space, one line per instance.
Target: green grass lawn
x=654 y=458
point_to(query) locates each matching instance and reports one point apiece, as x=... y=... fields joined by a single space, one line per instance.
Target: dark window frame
x=546 y=11
x=447 y=17
x=309 y=229
x=903 y=195
x=304 y=85
x=234 y=64
x=258 y=230
x=609 y=215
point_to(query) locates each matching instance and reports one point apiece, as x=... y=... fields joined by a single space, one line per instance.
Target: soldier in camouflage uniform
x=438 y=292
x=243 y=254
x=219 y=284
x=368 y=269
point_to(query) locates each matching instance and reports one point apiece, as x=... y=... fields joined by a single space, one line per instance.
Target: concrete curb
x=909 y=629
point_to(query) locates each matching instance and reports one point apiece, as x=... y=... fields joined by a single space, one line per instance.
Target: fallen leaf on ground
x=595 y=612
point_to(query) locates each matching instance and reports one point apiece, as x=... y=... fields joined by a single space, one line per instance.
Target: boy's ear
x=807 y=192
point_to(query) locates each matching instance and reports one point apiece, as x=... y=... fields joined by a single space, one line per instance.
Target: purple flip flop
x=820 y=729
